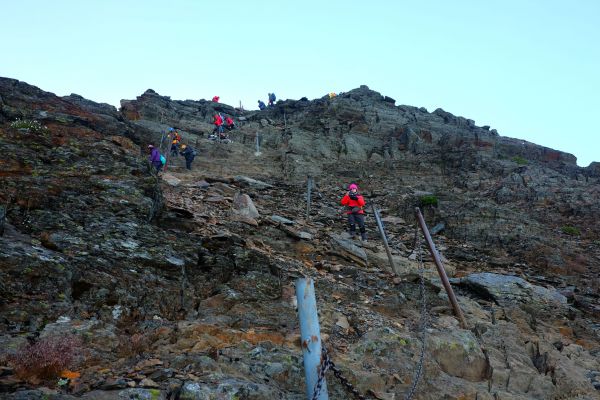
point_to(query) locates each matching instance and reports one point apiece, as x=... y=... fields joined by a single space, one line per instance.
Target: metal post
x=308 y=190
x=384 y=238
x=310 y=336
x=441 y=270
x=257 y=153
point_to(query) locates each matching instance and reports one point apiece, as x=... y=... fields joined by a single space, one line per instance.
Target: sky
x=528 y=68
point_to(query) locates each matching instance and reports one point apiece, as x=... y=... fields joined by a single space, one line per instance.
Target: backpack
x=163 y=160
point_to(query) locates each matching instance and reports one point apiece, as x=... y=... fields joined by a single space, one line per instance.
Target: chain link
x=326 y=364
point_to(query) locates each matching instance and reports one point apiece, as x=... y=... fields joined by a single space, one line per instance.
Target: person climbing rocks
x=229 y=124
x=189 y=153
x=176 y=138
x=218 y=121
x=261 y=105
x=155 y=157
x=216 y=99
x=332 y=95
x=272 y=99
x=355 y=204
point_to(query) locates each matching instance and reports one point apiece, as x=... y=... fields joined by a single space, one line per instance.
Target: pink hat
x=352 y=186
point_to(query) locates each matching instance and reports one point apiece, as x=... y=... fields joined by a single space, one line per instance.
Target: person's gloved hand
x=353 y=196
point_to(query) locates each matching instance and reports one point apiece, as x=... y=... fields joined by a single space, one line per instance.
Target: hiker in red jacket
x=216 y=99
x=355 y=204
x=229 y=124
x=218 y=121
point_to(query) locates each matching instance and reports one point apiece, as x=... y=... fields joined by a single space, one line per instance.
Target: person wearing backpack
x=229 y=124
x=189 y=153
x=355 y=203
x=272 y=99
x=155 y=158
x=175 y=142
x=261 y=105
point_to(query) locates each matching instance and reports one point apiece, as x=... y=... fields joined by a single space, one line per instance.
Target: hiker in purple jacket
x=155 y=157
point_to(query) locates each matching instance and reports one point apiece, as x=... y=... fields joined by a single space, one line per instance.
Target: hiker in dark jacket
x=189 y=153
x=261 y=105
x=272 y=99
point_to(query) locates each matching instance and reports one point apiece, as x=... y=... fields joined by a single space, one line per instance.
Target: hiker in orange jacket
x=355 y=204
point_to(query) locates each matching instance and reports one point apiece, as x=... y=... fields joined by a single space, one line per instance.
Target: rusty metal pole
x=384 y=239
x=441 y=270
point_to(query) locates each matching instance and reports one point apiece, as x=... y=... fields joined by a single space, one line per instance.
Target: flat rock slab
x=253 y=183
x=282 y=220
x=347 y=249
x=510 y=290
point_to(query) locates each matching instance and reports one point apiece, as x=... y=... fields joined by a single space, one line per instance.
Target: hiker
x=331 y=95
x=355 y=203
x=272 y=99
x=189 y=153
x=229 y=124
x=216 y=99
x=261 y=105
x=175 y=142
x=155 y=157
x=218 y=121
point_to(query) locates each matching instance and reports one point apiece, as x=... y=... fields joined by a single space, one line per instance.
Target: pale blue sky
x=529 y=68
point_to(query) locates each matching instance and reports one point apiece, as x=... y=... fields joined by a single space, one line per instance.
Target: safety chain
x=424 y=317
x=326 y=364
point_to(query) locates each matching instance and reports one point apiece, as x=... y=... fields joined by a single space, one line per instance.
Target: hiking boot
x=363 y=237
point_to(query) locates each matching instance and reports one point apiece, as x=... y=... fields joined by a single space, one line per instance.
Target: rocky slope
x=178 y=289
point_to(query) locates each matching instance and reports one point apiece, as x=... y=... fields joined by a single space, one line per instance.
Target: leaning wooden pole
x=441 y=270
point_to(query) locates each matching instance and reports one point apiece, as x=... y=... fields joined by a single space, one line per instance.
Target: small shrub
x=570 y=230
x=520 y=160
x=133 y=345
x=31 y=125
x=46 y=358
x=428 y=200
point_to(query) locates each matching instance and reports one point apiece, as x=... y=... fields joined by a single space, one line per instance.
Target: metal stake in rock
x=384 y=238
x=257 y=141
x=310 y=336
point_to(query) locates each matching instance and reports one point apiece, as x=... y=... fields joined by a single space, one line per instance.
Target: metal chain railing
x=327 y=363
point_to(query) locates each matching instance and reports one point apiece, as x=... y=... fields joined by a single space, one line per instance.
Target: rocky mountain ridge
x=179 y=289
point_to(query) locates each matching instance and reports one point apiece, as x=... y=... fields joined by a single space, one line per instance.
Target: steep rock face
x=175 y=295
x=509 y=198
